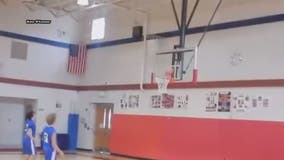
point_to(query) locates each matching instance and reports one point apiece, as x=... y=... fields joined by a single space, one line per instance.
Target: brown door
x=102 y=126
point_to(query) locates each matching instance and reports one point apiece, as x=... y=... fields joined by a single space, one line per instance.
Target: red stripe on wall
x=79 y=59
x=68 y=64
x=173 y=138
x=37 y=83
x=82 y=59
x=110 y=87
x=85 y=57
x=181 y=85
x=185 y=85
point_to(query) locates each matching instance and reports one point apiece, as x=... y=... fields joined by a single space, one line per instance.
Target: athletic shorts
x=50 y=155
x=28 y=147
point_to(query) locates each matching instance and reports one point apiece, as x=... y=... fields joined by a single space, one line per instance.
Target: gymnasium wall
x=261 y=59
x=50 y=58
x=260 y=46
x=116 y=25
x=46 y=100
x=16 y=22
x=11 y=125
x=252 y=42
x=86 y=112
x=229 y=11
x=191 y=132
x=194 y=133
x=119 y=27
x=45 y=66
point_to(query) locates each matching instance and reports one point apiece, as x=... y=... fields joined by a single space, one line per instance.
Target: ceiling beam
x=3 y=2
x=54 y=4
x=94 y=5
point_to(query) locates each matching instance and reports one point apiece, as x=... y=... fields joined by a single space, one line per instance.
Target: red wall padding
x=172 y=138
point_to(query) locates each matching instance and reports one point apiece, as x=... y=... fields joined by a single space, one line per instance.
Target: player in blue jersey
x=29 y=135
x=49 y=143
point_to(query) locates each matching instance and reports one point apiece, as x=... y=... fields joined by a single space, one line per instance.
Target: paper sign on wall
x=260 y=101
x=211 y=100
x=156 y=101
x=168 y=101
x=240 y=103
x=182 y=101
x=124 y=101
x=224 y=102
x=266 y=102
x=133 y=101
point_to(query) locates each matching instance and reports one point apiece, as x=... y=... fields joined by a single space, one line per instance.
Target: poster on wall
x=260 y=101
x=224 y=102
x=211 y=100
x=257 y=101
x=124 y=101
x=168 y=101
x=254 y=102
x=133 y=101
x=129 y=101
x=266 y=102
x=240 y=103
x=156 y=101
x=182 y=101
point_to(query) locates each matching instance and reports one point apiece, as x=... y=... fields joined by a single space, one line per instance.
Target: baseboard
x=10 y=149
x=83 y=149
x=126 y=156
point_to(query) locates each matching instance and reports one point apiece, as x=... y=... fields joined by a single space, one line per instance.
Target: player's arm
x=30 y=133
x=54 y=144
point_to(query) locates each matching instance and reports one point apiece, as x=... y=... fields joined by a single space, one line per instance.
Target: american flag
x=77 y=59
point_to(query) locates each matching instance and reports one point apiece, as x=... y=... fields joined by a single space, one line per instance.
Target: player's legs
x=25 y=157
x=29 y=149
x=49 y=155
x=32 y=157
x=29 y=157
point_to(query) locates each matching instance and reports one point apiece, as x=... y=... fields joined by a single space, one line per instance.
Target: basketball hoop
x=162 y=84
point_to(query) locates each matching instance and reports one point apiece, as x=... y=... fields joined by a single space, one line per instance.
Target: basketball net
x=162 y=84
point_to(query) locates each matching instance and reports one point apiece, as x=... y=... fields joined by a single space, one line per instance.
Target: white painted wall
x=87 y=115
x=44 y=63
x=197 y=103
x=260 y=46
x=14 y=14
x=12 y=124
x=118 y=23
x=196 y=107
x=50 y=61
x=230 y=10
x=46 y=103
x=111 y=65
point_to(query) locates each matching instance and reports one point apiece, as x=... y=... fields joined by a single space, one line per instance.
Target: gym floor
x=79 y=156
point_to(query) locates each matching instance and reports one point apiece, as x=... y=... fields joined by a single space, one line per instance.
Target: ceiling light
x=83 y=2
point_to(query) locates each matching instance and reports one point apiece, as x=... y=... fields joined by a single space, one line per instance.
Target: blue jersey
x=30 y=124
x=48 y=150
x=46 y=138
x=28 y=144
